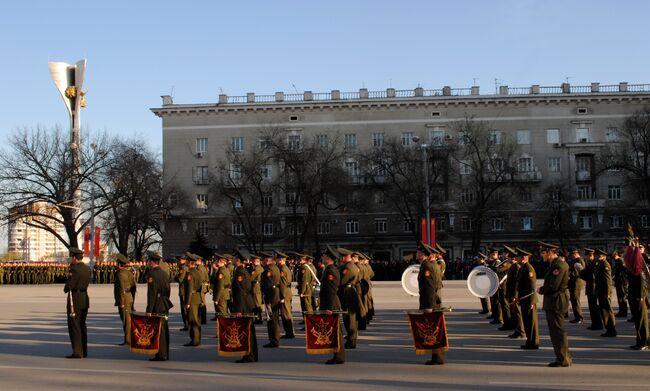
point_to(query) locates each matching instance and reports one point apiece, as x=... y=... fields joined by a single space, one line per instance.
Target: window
x=351 y=226
x=201 y=201
x=556 y=194
x=377 y=139
x=585 y=193
x=264 y=143
x=352 y=198
x=526 y=223
x=235 y=172
x=553 y=136
x=585 y=222
x=525 y=194
x=409 y=225
x=380 y=198
x=350 y=140
x=324 y=228
x=466 y=224
x=381 y=226
x=201 y=175
x=201 y=145
x=293 y=142
x=525 y=164
x=611 y=135
x=437 y=137
x=407 y=138
x=322 y=140
x=293 y=118
x=614 y=192
x=267 y=171
x=291 y=197
x=466 y=195
x=582 y=110
x=267 y=200
x=496 y=224
x=645 y=221
x=441 y=224
x=465 y=167
x=202 y=228
x=615 y=221
x=236 y=204
x=352 y=168
x=523 y=136
x=237 y=229
x=495 y=137
x=268 y=229
x=295 y=228
x=583 y=168
x=237 y=144
x=582 y=135
x=554 y=164
x=463 y=138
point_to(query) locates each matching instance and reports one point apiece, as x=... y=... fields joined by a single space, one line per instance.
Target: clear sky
x=139 y=50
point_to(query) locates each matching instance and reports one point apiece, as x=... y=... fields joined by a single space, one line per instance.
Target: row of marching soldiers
x=27 y=273
x=261 y=284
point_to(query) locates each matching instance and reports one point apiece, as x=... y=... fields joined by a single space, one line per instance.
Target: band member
x=205 y=287
x=272 y=298
x=243 y=302
x=221 y=283
x=638 y=277
x=527 y=299
x=193 y=300
x=180 y=278
x=349 y=296
x=285 y=295
x=76 y=287
x=430 y=289
x=502 y=272
x=620 y=281
x=575 y=285
x=603 y=277
x=158 y=302
x=516 y=322
x=497 y=313
x=556 y=302
x=588 y=275
x=124 y=293
x=329 y=299
x=485 y=302
x=306 y=281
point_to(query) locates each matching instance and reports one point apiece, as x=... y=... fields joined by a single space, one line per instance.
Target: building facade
x=33 y=243
x=560 y=134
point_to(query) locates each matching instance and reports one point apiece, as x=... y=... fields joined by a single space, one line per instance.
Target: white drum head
x=410 y=280
x=482 y=282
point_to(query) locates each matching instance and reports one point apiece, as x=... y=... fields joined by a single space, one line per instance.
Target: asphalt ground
x=34 y=341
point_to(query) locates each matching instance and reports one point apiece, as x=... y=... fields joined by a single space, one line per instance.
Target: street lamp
x=91 y=256
x=427 y=205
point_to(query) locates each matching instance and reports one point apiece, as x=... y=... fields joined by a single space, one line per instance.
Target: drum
x=482 y=282
x=410 y=280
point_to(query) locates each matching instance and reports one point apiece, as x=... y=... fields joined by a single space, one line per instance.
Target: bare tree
x=38 y=182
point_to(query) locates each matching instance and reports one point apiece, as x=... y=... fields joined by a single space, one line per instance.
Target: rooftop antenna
x=294 y=88
x=496 y=85
x=474 y=79
x=566 y=78
x=172 y=92
x=390 y=83
x=221 y=90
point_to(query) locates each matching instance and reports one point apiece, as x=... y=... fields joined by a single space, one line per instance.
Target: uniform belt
x=349 y=285
x=78 y=290
x=256 y=282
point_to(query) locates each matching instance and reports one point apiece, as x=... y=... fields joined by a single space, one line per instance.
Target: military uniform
x=555 y=305
x=158 y=303
x=575 y=288
x=272 y=297
x=77 y=305
x=620 y=281
x=587 y=274
x=182 y=273
x=257 y=271
x=285 y=305
x=305 y=285
x=243 y=302
x=194 y=298
x=221 y=283
x=637 y=291
x=603 y=292
x=205 y=287
x=329 y=301
x=350 y=302
x=430 y=289
x=124 y=293
x=516 y=322
x=526 y=279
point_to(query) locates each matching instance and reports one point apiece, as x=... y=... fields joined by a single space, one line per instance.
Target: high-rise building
x=34 y=243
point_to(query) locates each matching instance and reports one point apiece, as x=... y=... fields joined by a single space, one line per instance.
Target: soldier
x=485 y=303
x=502 y=272
x=285 y=295
x=272 y=296
x=78 y=303
x=180 y=278
x=158 y=302
x=243 y=301
x=587 y=274
x=193 y=300
x=221 y=282
x=205 y=286
x=430 y=289
x=526 y=280
x=575 y=285
x=511 y=289
x=305 y=278
x=620 y=281
x=493 y=262
x=317 y=272
x=556 y=302
x=603 y=278
x=349 y=296
x=366 y=286
x=637 y=291
x=329 y=299
x=257 y=271
x=124 y=293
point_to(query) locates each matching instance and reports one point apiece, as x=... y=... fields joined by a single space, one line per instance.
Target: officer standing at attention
x=349 y=296
x=588 y=274
x=78 y=303
x=180 y=278
x=305 y=285
x=243 y=302
x=158 y=302
x=124 y=293
x=575 y=285
x=272 y=297
x=329 y=299
x=193 y=300
x=526 y=280
x=620 y=280
x=205 y=286
x=430 y=289
x=556 y=302
x=221 y=283
x=603 y=287
x=511 y=294
x=285 y=295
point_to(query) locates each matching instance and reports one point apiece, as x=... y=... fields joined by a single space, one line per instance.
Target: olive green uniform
x=526 y=279
x=329 y=301
x=77 y=307
x=603 y=286
x=244 y=302
x=576 y=285
x=158 y=303
x=350 y=302
x=124 y=293
x=285 y=305
x=221 y=283
x=194 y=298
x=272 y=297
x=555 y=305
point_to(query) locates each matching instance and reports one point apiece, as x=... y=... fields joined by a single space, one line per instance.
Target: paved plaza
x=34 y=341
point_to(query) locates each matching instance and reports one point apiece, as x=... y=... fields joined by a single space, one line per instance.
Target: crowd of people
x=28 y=273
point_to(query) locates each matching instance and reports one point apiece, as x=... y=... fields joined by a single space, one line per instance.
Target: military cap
x=481 y=255
x=523 y=252
x=153 y=256
x=575 y=250
x=547 y=246
x=509 y=249
x=266 y=254
x=330 y=252
x=121 y=259
x=441 y=249
x=75 y=251
x=600 y=251
x=426 y=249
x=191 y=256
x=242 y=253
x=280 y=254
x=589 y=250
x=344 y=251
x=493 y=249
x=220 y=256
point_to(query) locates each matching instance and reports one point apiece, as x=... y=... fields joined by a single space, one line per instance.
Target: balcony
x=593 y=203
x=583 y=176
x=528 y=176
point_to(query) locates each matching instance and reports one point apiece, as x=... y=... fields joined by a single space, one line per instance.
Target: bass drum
x=410 y=280
x=482 y=282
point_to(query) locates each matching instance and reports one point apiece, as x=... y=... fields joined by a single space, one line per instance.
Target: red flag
x=429 y=332
x=86 y=241
x=234 y=335
x=145 y=333
x=633 y=260
x=432 y=232
x=96 y=241
x=322 y=333
x=423 y=230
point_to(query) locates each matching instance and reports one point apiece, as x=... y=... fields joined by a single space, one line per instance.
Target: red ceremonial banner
x=86 y=241
x=96 y=238
x=429 y=332
x=322 y=332
x=234 y=335
x=145 y=333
